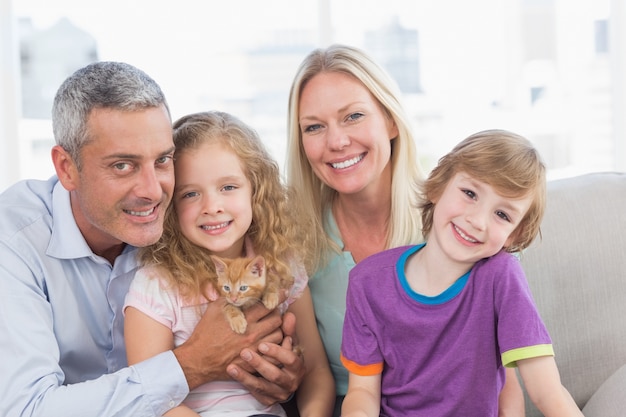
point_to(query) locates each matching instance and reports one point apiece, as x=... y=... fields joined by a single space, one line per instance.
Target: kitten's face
x=241 y=281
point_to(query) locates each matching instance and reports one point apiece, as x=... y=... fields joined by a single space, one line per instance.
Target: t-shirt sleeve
x=149 y=293
x=522 y=333
x=360 y=352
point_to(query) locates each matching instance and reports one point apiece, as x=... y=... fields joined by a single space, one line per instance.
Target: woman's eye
x=355 y=116
x=312 y=128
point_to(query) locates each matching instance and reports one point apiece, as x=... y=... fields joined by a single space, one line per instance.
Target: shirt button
x=172 y=403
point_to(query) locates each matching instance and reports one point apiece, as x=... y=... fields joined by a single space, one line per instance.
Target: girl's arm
x=511 y=400
x=145 y=338
x=363 y=396
x=543 y=384
x=316 y=393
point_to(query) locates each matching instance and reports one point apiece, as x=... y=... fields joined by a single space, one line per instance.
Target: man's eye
x=122 y=166
x=164 y=159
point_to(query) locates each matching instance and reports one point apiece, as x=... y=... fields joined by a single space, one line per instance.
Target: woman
x=352 y=155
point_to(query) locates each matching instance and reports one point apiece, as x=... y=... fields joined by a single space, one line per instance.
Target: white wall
x=9 y=97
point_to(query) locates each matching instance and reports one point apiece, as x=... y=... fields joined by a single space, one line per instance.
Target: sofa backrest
x=577 y=274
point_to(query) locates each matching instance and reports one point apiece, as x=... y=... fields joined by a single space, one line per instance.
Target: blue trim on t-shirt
x=451 y=292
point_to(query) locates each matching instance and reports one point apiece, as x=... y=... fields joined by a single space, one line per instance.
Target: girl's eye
x=503 y=216
x=229 y=188
x=189 y=194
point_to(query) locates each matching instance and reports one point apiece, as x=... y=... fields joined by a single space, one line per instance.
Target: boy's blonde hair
x=506 y=161
x=274 y=230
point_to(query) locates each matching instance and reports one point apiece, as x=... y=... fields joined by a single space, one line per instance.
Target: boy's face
x=471 y=221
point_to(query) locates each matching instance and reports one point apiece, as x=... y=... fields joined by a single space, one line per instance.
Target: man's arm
x=40 y=324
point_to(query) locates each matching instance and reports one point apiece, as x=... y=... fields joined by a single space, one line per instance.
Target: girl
x=228 y=201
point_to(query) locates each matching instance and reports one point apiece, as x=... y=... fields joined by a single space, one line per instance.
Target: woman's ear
x=65 y=168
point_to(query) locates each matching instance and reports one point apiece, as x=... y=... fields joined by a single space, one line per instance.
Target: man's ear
x=65 y=167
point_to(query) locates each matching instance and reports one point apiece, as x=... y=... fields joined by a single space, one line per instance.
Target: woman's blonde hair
x=273 y=232
x=506 y=161
x=315 y=196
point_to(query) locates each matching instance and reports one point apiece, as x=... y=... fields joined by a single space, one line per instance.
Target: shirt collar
x=66 y=242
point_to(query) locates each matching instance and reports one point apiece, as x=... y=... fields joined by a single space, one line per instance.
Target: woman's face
x=345 y=133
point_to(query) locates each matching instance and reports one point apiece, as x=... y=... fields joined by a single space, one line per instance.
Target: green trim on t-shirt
x=510 y=357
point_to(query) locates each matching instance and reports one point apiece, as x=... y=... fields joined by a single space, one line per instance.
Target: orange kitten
x=243 y=282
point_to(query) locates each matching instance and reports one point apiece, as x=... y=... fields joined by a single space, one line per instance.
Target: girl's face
x=213 y=199
x=471 y=221
x=345 y=134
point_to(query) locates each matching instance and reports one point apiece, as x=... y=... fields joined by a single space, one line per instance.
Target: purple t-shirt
x=442 y=355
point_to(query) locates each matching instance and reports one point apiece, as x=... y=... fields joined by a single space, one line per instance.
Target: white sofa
x=577 y=274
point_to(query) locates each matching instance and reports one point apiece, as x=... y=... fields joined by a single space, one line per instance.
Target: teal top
x=329 y=286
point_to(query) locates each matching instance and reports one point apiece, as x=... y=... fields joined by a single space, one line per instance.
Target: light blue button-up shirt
x=62 y=351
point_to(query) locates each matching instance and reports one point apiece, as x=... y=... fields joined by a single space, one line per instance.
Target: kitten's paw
x=270 y=301
x=239 y=325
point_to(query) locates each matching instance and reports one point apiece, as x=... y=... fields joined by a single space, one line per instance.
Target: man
x=67 y=256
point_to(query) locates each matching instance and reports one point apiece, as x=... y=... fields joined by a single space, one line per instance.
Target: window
x=537 y=67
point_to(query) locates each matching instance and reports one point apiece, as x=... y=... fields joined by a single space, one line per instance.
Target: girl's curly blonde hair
x=274 y=229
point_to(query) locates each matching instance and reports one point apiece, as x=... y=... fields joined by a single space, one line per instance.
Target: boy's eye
x=503 y=216
x=469 y=193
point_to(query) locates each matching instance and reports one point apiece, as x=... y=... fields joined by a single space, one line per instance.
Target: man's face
x=126 y=179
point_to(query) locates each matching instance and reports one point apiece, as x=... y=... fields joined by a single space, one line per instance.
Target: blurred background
x=551 y=70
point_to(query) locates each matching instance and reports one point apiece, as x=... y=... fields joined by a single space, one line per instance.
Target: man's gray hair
x=110 y=85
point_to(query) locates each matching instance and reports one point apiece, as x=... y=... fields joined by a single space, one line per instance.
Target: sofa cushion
x=609 y=400
x=577 y=274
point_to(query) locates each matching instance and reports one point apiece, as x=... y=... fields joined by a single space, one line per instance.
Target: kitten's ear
x=257 y=265
x=220 y=265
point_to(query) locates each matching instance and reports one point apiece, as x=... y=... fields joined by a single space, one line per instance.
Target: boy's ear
x=512 y=238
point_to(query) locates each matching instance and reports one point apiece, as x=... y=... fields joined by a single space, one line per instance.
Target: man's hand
x=271 y=383
x=213 y=345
